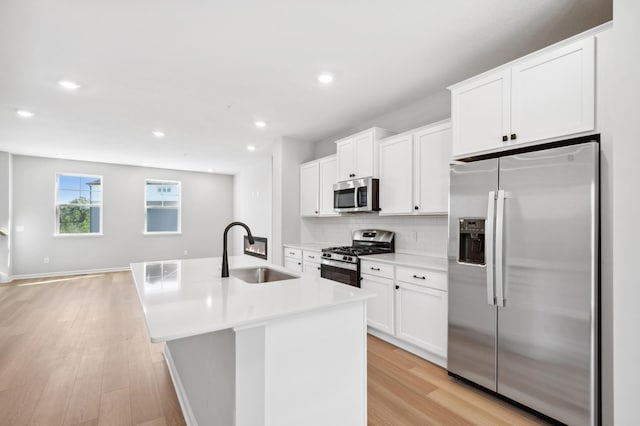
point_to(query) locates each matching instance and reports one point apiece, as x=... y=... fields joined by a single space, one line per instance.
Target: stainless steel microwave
x=357 y=195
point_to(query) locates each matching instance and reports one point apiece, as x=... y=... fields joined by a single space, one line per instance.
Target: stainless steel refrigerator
x=524 y=279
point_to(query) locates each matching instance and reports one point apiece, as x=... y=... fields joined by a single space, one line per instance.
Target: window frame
x=179 y=207
x=56 y=205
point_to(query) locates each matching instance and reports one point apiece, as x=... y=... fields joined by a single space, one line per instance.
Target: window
x=78 y=204
x=162 y=203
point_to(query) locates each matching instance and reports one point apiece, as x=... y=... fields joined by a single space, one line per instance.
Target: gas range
x=351 y=253
x=342 y=264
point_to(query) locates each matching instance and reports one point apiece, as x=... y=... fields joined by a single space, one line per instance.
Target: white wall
x=207 y=204
x=605 y=97
x=288 y=154
x=5 y=216
x=426 y=235
x=626 y=208
x=424 y=111
x=253 y=202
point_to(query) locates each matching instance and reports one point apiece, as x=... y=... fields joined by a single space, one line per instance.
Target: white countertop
x=412 y=260
x=182 y=298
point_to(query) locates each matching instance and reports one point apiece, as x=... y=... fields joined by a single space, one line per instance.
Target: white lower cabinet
x=380 y=308
x=311 y=262
x=421 y=317
x=410 y=307
x=293 y=259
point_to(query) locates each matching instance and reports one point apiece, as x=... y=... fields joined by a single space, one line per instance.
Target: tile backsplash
x=424 y=235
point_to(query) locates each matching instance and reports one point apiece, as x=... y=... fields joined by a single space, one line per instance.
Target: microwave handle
x=355 y=197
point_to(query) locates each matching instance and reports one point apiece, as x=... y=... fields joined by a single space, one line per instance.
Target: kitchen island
x=286 y=352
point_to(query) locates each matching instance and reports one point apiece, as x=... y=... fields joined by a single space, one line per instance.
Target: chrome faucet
x=225 y=257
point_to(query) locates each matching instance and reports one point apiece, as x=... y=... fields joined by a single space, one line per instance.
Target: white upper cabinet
x=431 y=156
x=309 y=189
x=414 y=171
x=396 y=175
x=316 y=187
x=481 y=113
x=546 y=95
x=553 y=93
x=328 y=170
x=358 y=154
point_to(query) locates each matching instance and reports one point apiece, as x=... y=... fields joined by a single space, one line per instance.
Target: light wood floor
x=75 y=351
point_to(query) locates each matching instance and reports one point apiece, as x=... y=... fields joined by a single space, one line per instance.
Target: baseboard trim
x=435 y=359
x=68 y=273
x=189 y=418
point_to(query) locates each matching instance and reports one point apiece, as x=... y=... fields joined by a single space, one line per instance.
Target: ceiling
x=204 y=71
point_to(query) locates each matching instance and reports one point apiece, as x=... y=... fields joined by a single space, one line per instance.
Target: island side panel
x=203 y=371
x=250 y=375
x=316 y=368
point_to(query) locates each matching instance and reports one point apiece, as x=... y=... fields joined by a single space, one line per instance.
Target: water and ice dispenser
x=471 y=236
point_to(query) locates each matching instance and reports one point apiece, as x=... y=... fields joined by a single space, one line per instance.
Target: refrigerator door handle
x=500 y=293
x=488 y=241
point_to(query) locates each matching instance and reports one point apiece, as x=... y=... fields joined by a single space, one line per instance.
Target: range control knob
x=345 y=257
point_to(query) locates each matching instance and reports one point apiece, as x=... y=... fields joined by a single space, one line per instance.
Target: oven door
x=343 y=272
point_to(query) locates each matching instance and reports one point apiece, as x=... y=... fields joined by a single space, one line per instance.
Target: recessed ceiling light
x=144 y=164
x=251 y=148
x=158 y=134
x=260 y=124
x=24 y=113
x=60 y=155
x=325 y=78
x=209 y=170
x=68 y=84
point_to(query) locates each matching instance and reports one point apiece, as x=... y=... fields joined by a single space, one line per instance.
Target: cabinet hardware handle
x=311 y=257
x=513 y=136
x=318 y=268
x=397 y=287
x=416 y=207
x=375 y=269
x=420 y=278
x=316 y=211
x=291 y=252
x=505 y=138
x=299 y=263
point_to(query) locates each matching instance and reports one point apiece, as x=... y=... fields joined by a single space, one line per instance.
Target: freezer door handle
x=488 y=241
x=500 y=293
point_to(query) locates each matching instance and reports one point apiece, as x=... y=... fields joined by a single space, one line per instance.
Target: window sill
x=87 y=235
x=151 y=234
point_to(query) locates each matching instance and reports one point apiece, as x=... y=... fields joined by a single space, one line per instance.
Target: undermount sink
x=260 y=275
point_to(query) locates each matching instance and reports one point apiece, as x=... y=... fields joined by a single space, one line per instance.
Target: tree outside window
x=78 y=204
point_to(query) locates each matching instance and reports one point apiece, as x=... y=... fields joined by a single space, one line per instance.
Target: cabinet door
x=346 y=160
x=380 y=308
x=365 y=155
x=480 y=113
x=328 y=171
x=553 y=93
x=311 y=268
x=421 y=317
x=432 y=152
x=309 y=189
x=396 y=175
x=293 y=264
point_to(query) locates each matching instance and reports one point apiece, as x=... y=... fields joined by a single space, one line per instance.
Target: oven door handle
x=340 y=265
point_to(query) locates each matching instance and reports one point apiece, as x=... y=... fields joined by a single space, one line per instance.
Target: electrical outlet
x=186 y=252
x=45 y=260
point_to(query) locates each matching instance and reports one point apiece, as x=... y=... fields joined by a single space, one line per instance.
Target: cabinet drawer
x=311 y=256
x=293 y=253
x=369 y=267
x=423 y=277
